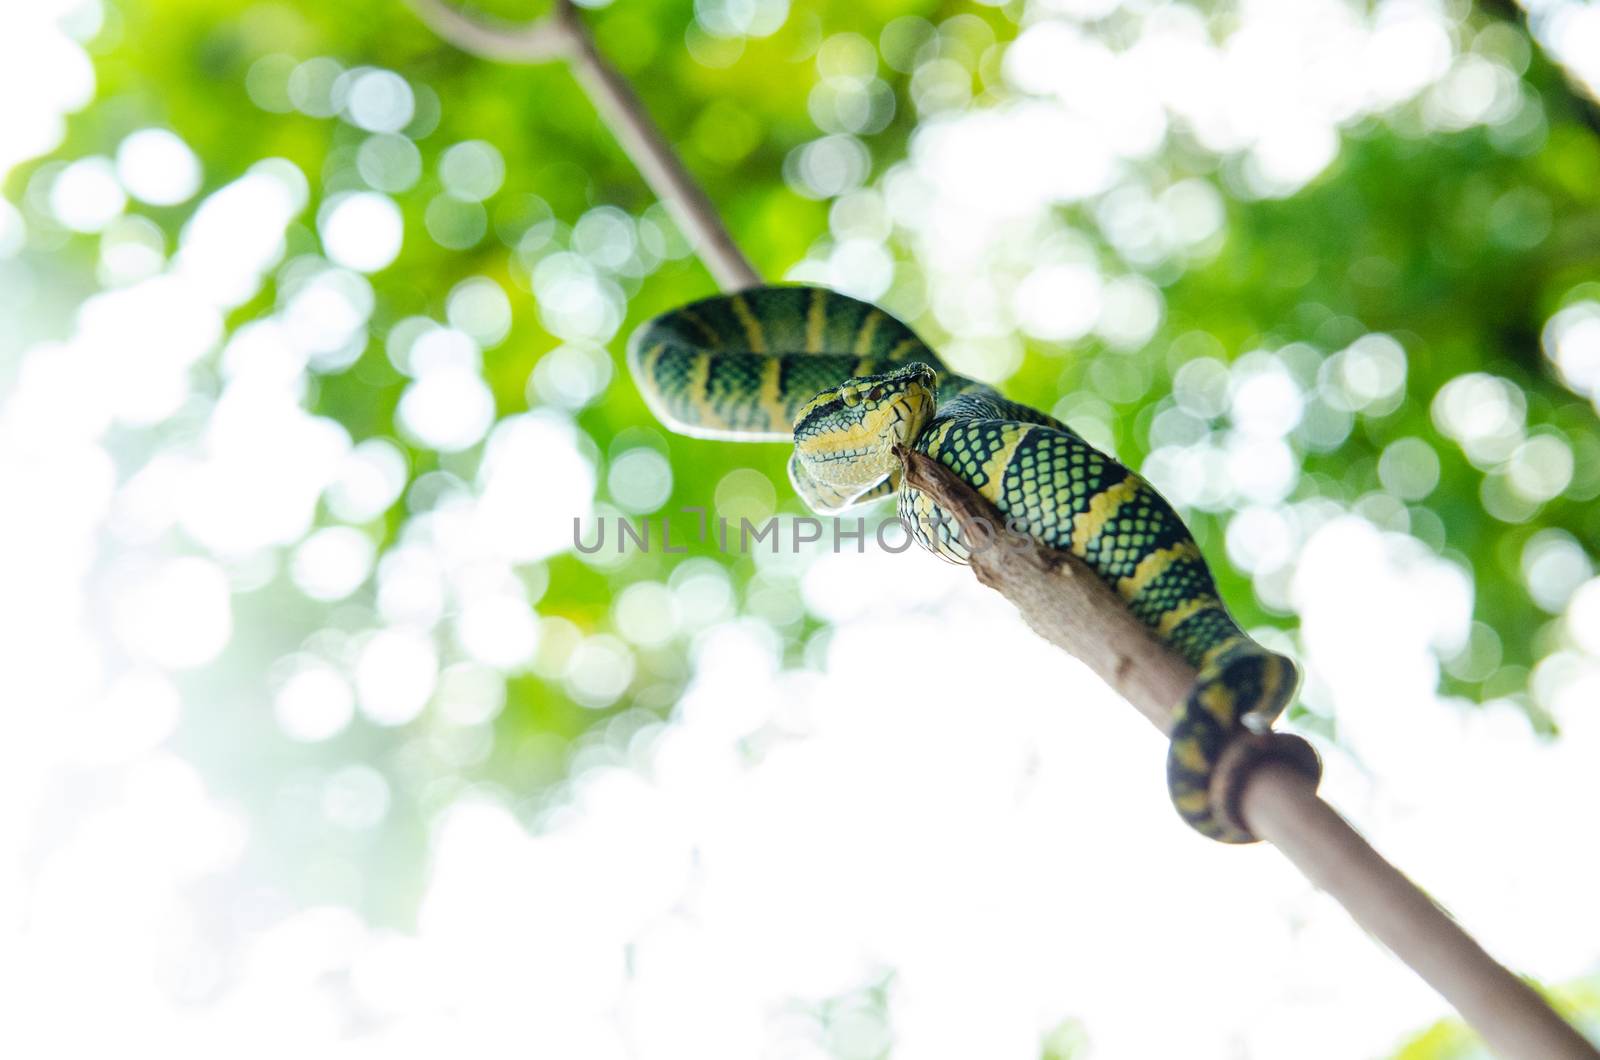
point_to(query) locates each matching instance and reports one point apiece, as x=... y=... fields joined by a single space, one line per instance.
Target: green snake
x=846 y=382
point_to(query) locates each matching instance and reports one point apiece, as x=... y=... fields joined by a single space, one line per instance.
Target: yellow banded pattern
x=746 y=366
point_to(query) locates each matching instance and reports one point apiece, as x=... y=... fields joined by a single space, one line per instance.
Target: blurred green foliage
x=1459 y=244
x=1450 y=1039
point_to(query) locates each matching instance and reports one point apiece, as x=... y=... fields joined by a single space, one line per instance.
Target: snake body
x=845 y=381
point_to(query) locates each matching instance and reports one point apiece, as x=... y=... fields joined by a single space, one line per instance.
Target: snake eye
x=876 y=393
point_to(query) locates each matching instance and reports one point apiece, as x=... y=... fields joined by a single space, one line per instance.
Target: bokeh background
x=321 y=739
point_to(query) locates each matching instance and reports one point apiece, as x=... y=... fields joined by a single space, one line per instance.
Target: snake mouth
x=911 y=414
x=896 y=434
x=842 y=456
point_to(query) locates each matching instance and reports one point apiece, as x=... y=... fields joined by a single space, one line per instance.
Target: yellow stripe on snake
x=846 y=382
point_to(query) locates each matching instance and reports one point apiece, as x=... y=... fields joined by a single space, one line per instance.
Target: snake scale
x=845 y=382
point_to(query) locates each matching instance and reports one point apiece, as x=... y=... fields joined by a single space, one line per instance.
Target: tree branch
x=564 y=35
x=1265 y=782
x=1059 y=597
x=1510 y=1016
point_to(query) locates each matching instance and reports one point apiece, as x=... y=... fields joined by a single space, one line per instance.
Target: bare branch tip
x=553 y=37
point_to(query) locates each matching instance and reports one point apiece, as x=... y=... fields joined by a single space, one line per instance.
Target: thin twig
x=563 y=34
x=1585 y=108
x=1066 y=603
x=542 y=41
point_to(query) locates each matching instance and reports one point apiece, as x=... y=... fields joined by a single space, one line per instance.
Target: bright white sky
x=939 y=802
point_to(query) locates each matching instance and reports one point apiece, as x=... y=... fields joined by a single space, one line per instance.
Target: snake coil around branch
x=1065 y=602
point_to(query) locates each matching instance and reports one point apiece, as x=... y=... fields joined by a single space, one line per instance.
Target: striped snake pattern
x=844 y=382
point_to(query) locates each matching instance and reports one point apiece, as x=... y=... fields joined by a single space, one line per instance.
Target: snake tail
x=1243 y=690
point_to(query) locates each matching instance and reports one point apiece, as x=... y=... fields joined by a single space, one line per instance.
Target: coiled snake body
x=846 y=382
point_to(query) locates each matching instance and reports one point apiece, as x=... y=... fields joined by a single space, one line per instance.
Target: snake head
x=845 y=436
x=870 y=411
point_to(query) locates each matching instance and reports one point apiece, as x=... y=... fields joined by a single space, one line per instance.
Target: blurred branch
x=1264 y=782
x=1584 y=106
x=542 y=41
x=563 y=34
